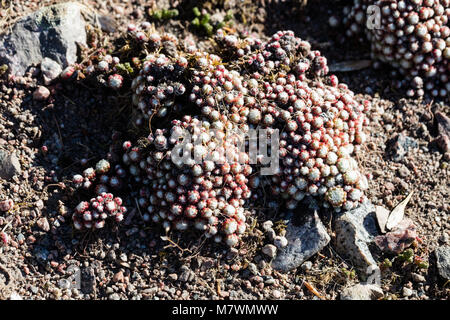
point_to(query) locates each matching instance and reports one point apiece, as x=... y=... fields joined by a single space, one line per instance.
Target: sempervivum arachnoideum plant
x=158 y=84
x=99 y=182
x=192 y=173
x=93 y=214
x=206 y=191
x=413 y=36
x=319 y=121
x=101 y=179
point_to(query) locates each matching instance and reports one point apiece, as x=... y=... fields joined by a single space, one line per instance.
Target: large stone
x=51 y=32
x=9 y=165
x=355 y=230
x=306 y=236
x=443 y=261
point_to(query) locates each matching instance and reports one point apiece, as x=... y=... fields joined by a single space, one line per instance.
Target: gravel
x=43 y=224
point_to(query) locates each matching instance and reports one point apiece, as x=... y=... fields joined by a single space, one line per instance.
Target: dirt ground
x=133 y=262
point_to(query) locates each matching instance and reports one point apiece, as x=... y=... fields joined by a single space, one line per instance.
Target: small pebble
x=407 y=292
x=307 y=265
x=418 y=277
x=267 y=225
x=173 y=276
x=280 y=242
x=41 y=93
x=43 y=224
x=269 y=250
x=118 y=277
x=114 y=296
x=276 y=294
x=64 y=284
x=6 y=205
x=253 y=268
x=123 y=257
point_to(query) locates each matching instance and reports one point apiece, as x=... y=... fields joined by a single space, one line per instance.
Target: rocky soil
x=50 y=130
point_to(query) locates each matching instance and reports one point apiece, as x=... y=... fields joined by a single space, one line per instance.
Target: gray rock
x=9 y=165
x=50 y=70
x=41 y=253
x=51 y=32
x=123 y=257
x=362 y=292
x=444 y=238
x=111 y=255
x=269 y=281
x=186 y=275
x=233 y=253
x=443 y=261
x=173 y=277
x=304 y=240
x=107 y=24
x=355 y=230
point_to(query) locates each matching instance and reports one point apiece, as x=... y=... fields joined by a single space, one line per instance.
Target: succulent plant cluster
x=209 y=182
x=93 y=214
x=102 y=178
x=208 y=193
x=158 y=84
x=99 y=181
x=413 y=36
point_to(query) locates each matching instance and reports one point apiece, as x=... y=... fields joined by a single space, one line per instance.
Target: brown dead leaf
x=382 y=215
